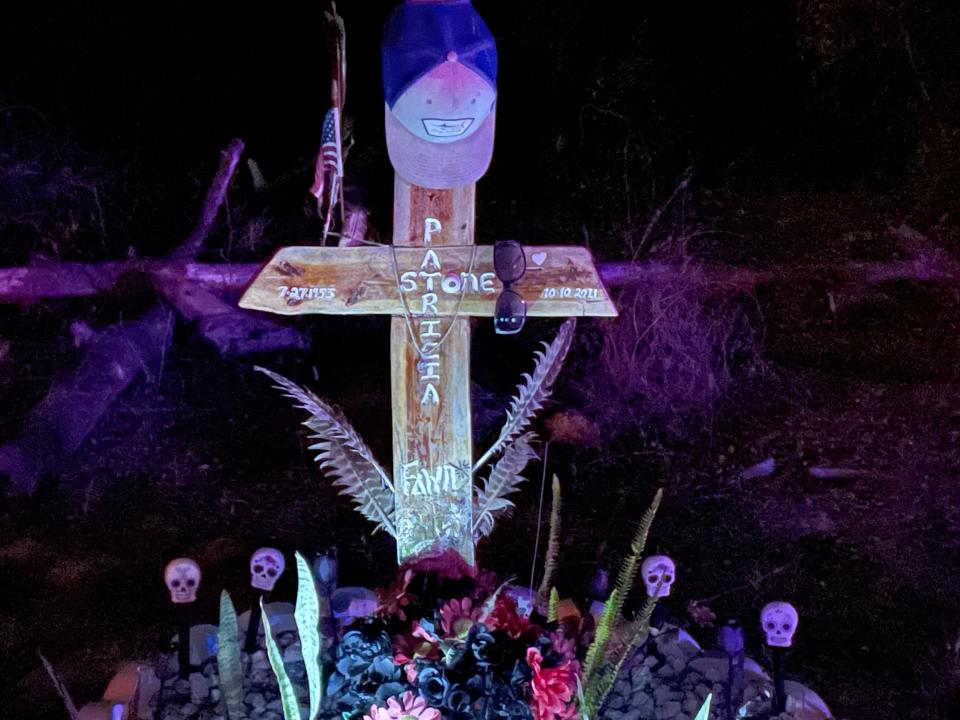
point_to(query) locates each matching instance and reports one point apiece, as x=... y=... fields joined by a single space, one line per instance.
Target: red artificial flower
x=395 y=598
x=458 y=616
x=446 y=565
x=506 y=618
x=552 y=689
x=484 y=584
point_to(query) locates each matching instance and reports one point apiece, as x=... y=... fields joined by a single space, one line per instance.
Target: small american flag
x=330 y=159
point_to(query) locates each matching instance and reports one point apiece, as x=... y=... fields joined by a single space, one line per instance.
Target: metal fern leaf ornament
x=535 y=390
x=344 y=455
x=505 y=478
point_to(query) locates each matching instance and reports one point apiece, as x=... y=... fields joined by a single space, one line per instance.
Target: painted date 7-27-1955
x=306 y=293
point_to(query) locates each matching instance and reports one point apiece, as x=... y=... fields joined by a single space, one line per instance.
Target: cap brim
x=439 y=165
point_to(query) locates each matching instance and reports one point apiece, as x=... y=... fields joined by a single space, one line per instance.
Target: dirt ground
x=203 y=458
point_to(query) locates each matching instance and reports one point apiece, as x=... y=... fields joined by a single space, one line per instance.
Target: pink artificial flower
x=458 y=616
x=552 y=688
x=418 y=644
x=411 y=672
x=408 y=707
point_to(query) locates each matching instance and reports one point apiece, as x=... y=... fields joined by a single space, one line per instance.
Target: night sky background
x=725 y=87
x=812 y=132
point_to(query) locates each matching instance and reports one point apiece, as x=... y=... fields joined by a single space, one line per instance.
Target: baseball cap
x=440 y=88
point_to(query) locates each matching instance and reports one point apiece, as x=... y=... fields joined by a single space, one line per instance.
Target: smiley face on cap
x=447 y=104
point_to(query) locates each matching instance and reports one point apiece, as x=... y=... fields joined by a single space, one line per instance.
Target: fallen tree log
x=53 y=281
x=78 y=399
x=231 y=330
x=923 y=269
x=35 y=284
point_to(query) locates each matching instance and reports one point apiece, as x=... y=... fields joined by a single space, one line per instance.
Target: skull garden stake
x=182 y=578
x=266 y=567
x=659 y=572
x=779 y=621
x=439 y=77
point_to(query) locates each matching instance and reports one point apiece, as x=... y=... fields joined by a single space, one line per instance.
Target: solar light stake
x=183 y=641
x=779 y=621
x=732 y=641
x=779 y=675
x=253 y=627
x=182 y=578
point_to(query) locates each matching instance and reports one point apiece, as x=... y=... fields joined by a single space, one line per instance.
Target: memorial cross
x=431 y=280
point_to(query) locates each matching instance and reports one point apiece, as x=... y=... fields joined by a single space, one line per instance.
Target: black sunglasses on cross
x=509 y=264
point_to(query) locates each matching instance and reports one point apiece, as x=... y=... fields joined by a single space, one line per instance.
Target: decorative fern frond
x=553 y=547
x=628 y=571
x=552 y=605
x=344 y=455
x=534 y=392
x=596 y=651
x=599 y=674
x=505 y=478
x=634 y=634
x=228 y=659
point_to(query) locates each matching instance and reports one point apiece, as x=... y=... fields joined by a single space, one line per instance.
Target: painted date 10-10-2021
x=567 y=292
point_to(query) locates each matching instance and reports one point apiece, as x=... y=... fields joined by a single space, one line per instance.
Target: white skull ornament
x=182 y=576
x=659 y=571
x=779 y=620
x=266 y=567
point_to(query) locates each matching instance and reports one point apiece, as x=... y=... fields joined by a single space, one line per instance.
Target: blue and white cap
x=440 y=87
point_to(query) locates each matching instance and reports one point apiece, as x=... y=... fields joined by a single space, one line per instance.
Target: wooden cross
x=431 y=281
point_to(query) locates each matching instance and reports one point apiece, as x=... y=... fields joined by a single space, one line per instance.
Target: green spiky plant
x=307 y=615
x=309 y=627
x=553 y=549
x=603 y=663
x=552 y=605
x=228 y=659
x=704 y=712
x=288 y=696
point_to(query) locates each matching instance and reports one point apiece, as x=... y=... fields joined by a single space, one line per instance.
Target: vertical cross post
x=430 y=380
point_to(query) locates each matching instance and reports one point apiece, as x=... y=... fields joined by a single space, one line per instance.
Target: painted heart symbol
x=538 y=258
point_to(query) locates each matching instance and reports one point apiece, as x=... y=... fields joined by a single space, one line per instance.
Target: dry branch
x=229 y=159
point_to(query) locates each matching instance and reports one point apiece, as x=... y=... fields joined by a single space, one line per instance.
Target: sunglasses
x=509 y=264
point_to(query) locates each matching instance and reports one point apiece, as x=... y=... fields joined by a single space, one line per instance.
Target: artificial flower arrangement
x=452 y=642
x=449 y=642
